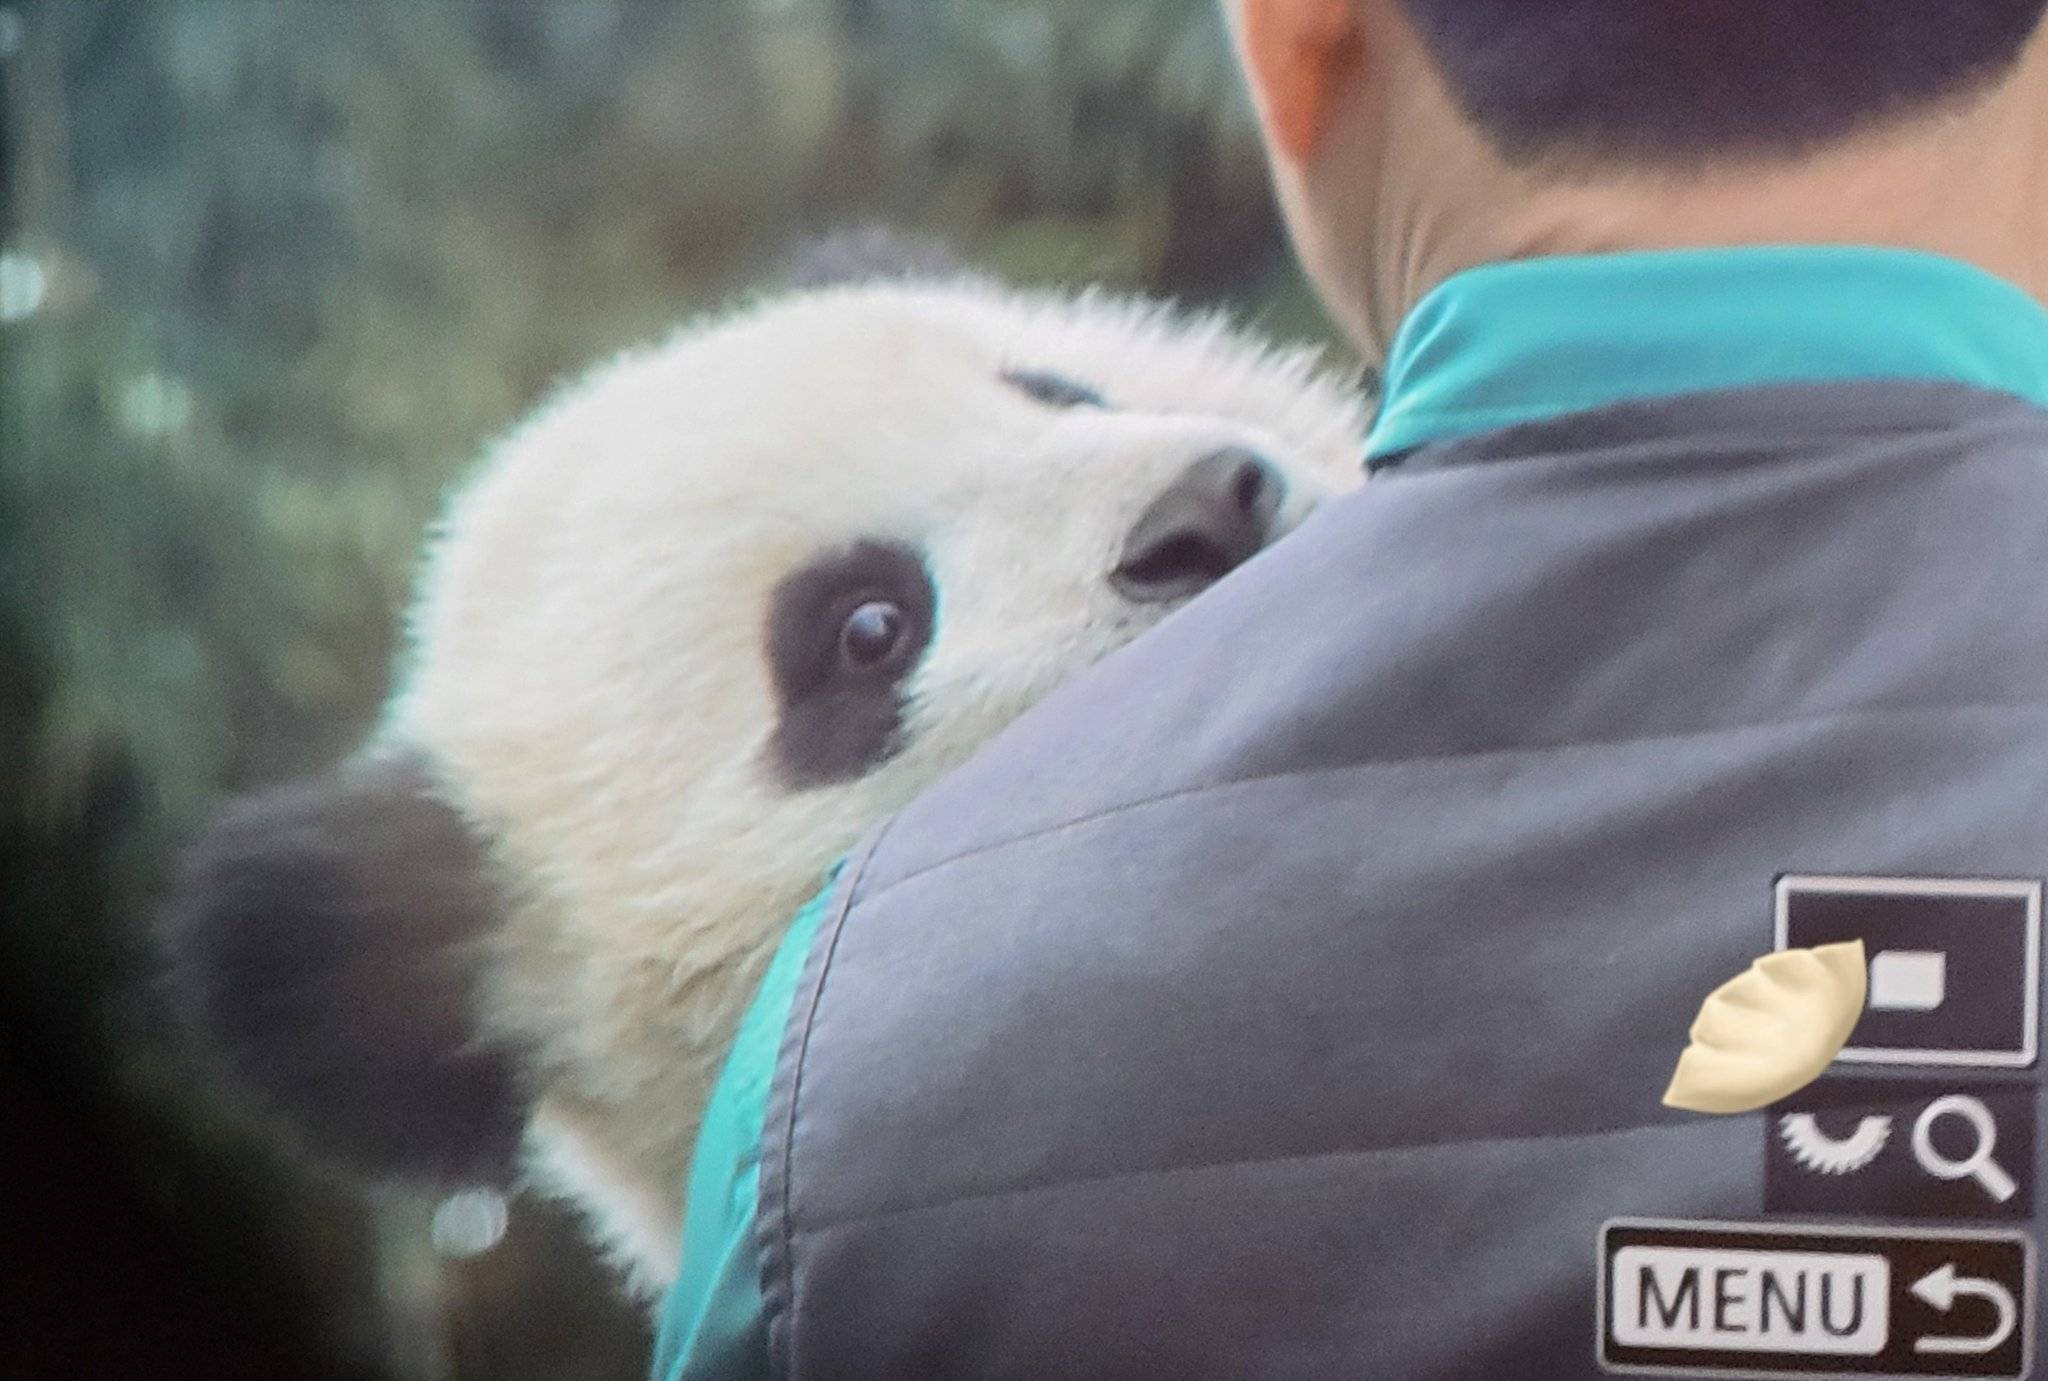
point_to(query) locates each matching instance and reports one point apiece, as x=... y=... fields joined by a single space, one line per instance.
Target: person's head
x=1412 y=138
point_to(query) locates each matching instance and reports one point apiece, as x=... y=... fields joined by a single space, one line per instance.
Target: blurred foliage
x=270 y=272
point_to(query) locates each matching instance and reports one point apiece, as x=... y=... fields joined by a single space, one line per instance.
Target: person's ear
x=1299 y=55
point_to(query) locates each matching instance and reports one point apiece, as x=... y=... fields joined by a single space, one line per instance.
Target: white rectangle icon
x=1738 y=1300
x=1925 y=980
x=1908 y=980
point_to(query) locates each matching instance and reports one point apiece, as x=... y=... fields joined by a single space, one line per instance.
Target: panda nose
x=1213 y=518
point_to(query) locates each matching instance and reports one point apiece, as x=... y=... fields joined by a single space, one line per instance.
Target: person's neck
x=1970 y=183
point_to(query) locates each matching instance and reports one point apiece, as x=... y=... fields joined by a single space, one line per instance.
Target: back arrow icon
x=1940 y=1288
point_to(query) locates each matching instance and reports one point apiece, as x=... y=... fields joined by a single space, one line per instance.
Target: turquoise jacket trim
x=1489 y=348
x=1538 y=338
x=714 y=1324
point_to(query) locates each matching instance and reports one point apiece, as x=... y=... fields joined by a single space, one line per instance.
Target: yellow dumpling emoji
x=1771 y=1030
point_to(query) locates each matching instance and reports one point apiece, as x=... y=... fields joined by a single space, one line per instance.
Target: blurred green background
x=270 y=272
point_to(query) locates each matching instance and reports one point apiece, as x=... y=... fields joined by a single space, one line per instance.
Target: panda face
x=693 y=627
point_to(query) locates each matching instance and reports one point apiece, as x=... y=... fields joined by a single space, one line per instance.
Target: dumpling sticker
x=1770 y=1031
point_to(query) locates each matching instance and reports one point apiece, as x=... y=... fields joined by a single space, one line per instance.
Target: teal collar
x=1532 y=339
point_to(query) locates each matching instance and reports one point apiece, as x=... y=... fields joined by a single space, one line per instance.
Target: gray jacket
x=1292 y=995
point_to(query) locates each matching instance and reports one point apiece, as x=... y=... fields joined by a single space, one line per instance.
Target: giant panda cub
x=692 y=627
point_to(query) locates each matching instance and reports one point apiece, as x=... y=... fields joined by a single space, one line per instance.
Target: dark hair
x=1681 y=81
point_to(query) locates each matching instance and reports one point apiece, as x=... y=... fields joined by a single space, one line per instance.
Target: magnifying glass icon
x=1978 y=1165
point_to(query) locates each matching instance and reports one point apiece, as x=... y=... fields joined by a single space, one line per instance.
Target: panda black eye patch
x=1054 y=390
x=843 y=631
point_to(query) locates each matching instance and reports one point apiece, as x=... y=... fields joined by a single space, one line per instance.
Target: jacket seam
x=780 y=1302
x=826 y=1223
x=1470 y=755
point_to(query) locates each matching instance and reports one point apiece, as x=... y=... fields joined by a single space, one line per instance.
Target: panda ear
x=321 y=941
x=860 y=254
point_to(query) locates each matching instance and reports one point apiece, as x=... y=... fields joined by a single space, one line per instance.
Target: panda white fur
x=693 y=626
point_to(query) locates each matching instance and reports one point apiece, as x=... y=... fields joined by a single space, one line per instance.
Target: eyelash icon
x=1825 y=1155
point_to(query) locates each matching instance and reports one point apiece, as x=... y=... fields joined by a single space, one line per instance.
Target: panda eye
x=844 y=631
x=873 y=635
x=1054 y=390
